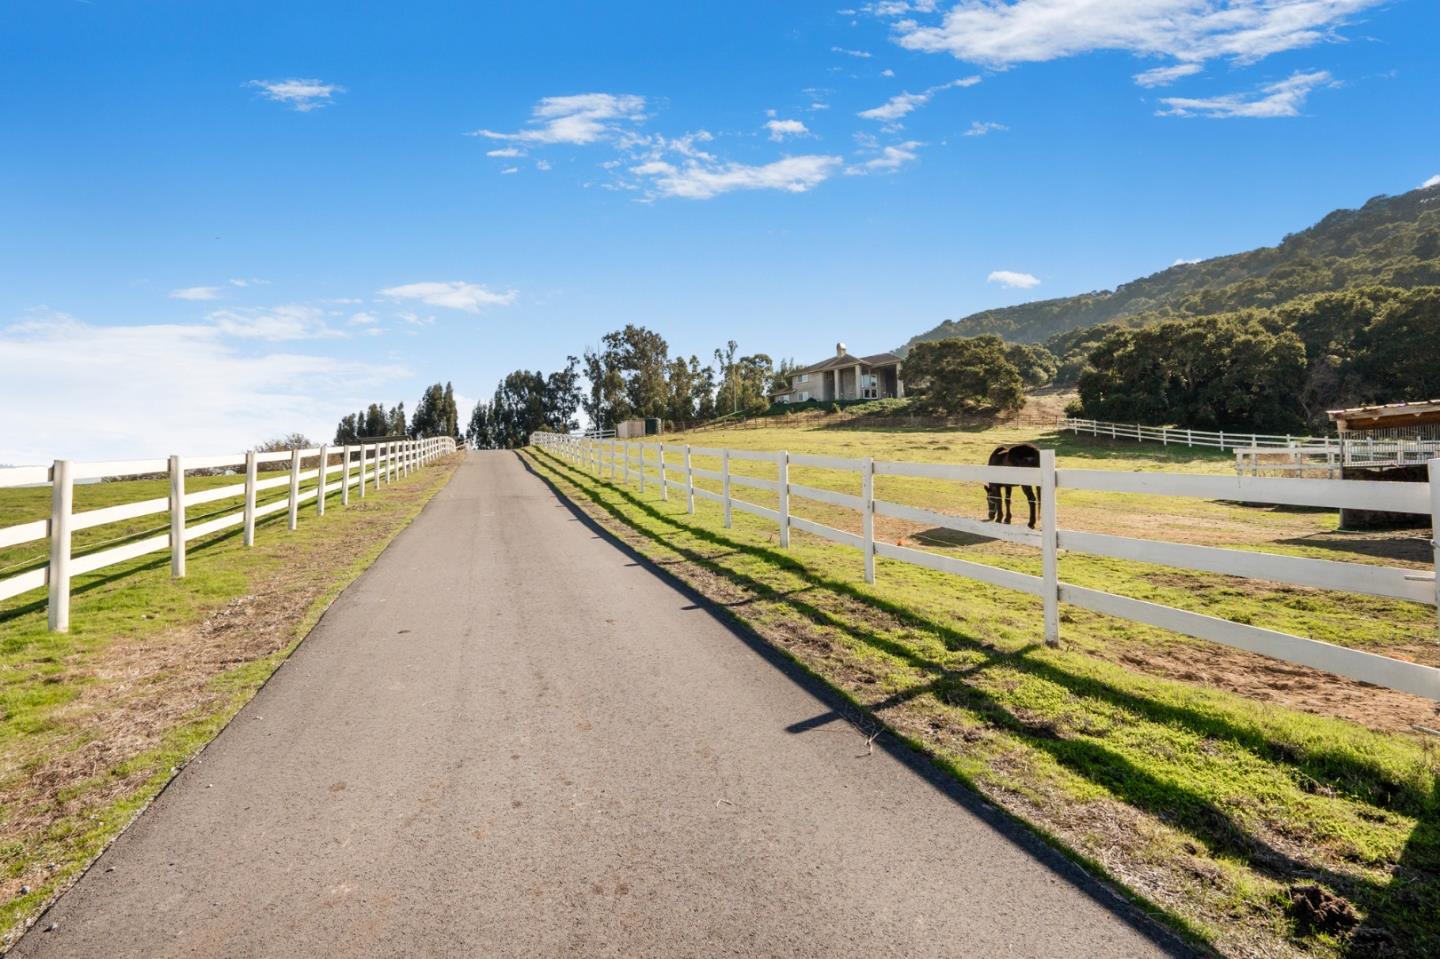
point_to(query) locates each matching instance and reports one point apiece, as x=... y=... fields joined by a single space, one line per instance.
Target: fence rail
x=1255 y=452
x=358 y=467
x=660 y=463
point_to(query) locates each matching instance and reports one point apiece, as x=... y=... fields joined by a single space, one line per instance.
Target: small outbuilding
x=1393 y=442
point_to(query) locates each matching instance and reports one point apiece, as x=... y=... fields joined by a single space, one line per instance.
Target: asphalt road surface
x=513 y=737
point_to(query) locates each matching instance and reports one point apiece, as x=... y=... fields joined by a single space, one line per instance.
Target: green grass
x=1346 y=619
x=61 y=693
x=1207 y=805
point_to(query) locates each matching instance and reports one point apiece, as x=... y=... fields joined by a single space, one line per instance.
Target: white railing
x=359 y=466
x=1324 y=453
x=1175 y=436
x=659 y=464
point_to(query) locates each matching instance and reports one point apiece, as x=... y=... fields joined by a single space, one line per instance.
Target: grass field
x=1182 y=770
x=93 y=723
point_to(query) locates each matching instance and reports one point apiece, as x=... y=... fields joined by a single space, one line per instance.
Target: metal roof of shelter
x=1387 y=416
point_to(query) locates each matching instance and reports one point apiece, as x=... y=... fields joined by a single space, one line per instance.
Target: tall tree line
x=435 y=415
x=629 y=374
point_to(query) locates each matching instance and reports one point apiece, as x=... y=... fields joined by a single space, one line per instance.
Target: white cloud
x=292 y=321
x=780 y=129
x=979 y=128
x=196 y=293
x=891 y=158
x=862 y=54
x=542 y=165
x=250 y=281
x=201 y=394
x=363 y=319
x=509 y=170
x=579 y=119
x=454 y=294
x=1181 y=261
x=1013 y=280
x=1164 y=76
x=887 y=72
x=1002 y=34
x=302 y=95
x=1282 y=99
x=701 y=179
x=1433 y=181
x=505 y=152
x=902 y=104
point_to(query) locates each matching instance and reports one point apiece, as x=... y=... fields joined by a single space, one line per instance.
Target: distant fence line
x=646 y=464
x=1254 y=451
x=375 y=463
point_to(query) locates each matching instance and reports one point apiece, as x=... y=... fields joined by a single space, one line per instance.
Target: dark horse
x=1021 y=454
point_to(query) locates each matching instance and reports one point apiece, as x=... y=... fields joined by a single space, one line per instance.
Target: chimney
x=839 y=349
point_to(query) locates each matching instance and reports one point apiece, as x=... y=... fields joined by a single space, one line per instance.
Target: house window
x=803 y=396
x=804 y=378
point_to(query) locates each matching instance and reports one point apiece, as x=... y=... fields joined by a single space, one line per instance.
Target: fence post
x=642 y=470
x=62 y=504
x=782 y=464
x=249 y=537
x=689 y=483
x=867 y=509
x=323 y=480
x=1049 y=553
x=345 y=475
x=294 y=488
x=378 y=447
x=177 y=517
x=1433 y=468
x=664 y=483
x=360 y=476
x=725 y=482
x=1222 y=440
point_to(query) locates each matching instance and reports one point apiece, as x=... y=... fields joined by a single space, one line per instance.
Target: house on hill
x=844 y=377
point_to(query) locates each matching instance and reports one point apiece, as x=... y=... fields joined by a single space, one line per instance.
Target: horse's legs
x=1008 y=491
x=1033 y=495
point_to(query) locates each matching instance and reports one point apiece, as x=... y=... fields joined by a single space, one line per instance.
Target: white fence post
x=360 y=477
x=867 y=509
x=177 y=517
x=250 y=468
x=664 y=483
x=294 y=488
x=689 y=483
x=323 y=480
x=642 y=470
x=62 y=505
x=1050 y=556
x=345 y=475
x=725 y=483
x=782 y=469
x=1433 y=468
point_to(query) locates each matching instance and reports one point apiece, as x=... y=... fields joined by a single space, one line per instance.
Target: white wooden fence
x=1313 y=452
x=359 y=466
x=1174 y=436
x=660 y=464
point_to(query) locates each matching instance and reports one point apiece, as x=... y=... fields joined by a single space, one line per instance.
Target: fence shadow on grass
x=1415 y=886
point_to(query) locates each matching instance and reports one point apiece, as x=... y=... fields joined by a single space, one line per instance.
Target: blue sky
x=225 y=221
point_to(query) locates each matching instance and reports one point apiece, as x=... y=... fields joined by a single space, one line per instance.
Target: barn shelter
x=1394 y=442
x=1395 y=434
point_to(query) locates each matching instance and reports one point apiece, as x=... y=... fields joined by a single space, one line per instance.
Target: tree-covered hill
x=1391 y=241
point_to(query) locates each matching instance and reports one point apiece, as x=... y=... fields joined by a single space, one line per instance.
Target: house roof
x=846 y=360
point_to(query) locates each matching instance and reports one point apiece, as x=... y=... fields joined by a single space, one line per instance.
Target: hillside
x=1391 y=241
